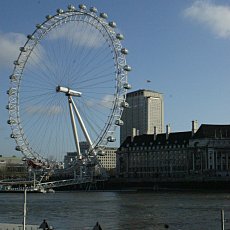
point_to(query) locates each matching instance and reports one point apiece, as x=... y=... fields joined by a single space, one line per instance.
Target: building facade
x=211 y=150
x=204 y=153
x=154 y=156
x=12 y=167
x=107 y=159
x=145 y=114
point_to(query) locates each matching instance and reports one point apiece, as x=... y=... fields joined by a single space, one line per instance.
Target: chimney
x=155 y=132
x=194 y=126
x=133 y=134
x=168 y=130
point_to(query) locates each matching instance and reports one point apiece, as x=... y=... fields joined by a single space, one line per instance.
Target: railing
x=6 y=226
x=61 y=183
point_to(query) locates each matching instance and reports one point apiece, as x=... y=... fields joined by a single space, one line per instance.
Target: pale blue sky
x=181 y=46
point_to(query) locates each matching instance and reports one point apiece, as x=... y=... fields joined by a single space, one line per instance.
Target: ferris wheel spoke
x=88 y=61
x=94 y=66
x=38 y=60
x=95 y=113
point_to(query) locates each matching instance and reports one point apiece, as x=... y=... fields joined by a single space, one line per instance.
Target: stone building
x=155 y=155
x=12 y=167
x=210 y=147
x=203 y=152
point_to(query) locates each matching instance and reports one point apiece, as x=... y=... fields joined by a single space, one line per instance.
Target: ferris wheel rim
x=33 y=40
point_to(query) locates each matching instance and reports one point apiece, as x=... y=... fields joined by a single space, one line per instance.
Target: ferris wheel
x=68 y=86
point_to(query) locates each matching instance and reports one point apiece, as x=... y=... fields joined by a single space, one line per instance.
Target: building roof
x=212 y=131
x=148 y=139
x=11 y=160
x=204 y=131
x=139 y=90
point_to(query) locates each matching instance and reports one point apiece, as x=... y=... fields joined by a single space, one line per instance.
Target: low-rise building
x=108 y=160
x=12 y=167
x=203 y=152
x=210 y=147
x=160 y=155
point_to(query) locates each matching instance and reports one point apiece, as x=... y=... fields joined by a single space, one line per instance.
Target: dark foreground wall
x=131 y=184
x=126 y=184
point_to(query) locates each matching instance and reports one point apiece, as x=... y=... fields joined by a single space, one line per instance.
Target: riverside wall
x=218 y=184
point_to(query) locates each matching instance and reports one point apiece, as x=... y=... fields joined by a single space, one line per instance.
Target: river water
x=119 y=210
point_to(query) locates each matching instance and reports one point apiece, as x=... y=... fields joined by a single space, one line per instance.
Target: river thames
x=119 y=210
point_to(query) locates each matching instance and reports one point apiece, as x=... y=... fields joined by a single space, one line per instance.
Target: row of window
x=182 y=153
x=156 y=147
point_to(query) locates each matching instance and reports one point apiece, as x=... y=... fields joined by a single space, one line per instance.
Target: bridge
x=38 y=186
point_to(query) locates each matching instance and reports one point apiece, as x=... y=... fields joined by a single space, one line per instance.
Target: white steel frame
x=114 y=39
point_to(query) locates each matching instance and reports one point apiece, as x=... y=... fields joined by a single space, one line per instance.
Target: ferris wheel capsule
x=93 y=9
x=124 y=51
x=18 y=148
x=10 y=122
x=22 y=49
x=10 y=107
x=31 y=37
x=111 y=139
x=39 y=26
x=127 y=68
x=60 y=11
x=16 y=62
x=103 y=15
x=120 y=37
x=127 y=86
x=119 y=122
x=11 y=91
x=82 y=7
x=71 y=8
x=48 y=17
x=124 y=104
x=13 y=77
x=113 y=24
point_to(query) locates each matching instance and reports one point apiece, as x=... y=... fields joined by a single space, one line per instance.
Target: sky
x=180 y=48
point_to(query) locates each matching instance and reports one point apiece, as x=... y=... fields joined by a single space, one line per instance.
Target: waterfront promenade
x=17 y=227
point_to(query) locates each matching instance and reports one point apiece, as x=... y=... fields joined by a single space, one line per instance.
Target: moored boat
x=18 y=189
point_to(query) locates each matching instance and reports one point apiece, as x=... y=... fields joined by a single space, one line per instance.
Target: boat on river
x=11 y=189
x=19 y=187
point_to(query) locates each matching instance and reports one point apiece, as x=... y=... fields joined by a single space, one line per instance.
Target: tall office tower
x=144 y=115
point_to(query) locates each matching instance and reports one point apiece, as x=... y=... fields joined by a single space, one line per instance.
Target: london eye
x=68 y=86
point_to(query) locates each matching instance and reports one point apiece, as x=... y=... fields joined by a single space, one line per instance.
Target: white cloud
x=77 y=35
x=9 y=48
x=11 y=42
x=107 y=101
x=49 y=110
x=215 y=17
